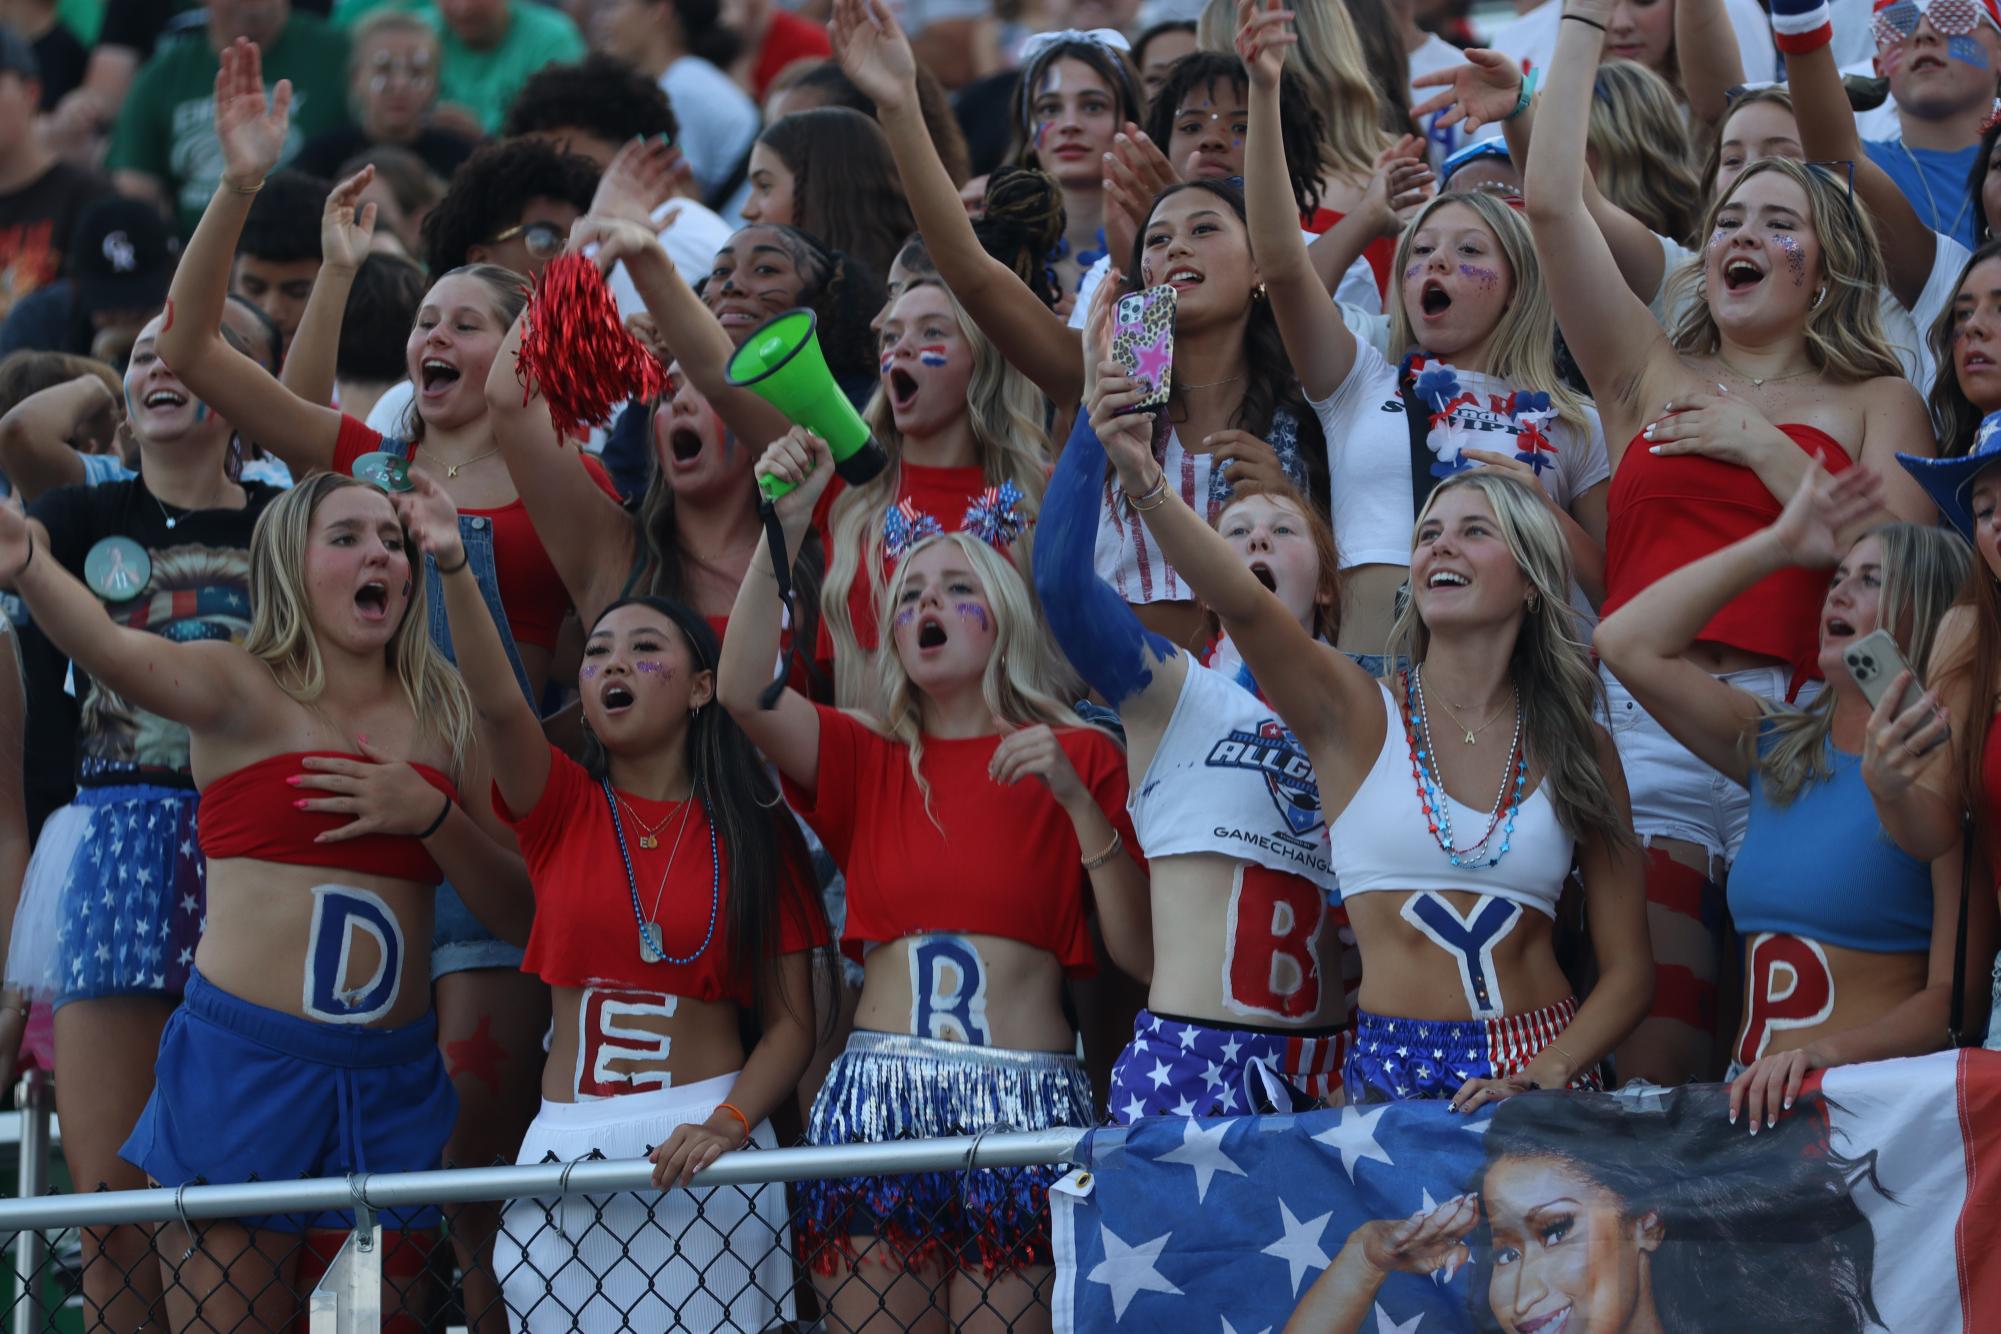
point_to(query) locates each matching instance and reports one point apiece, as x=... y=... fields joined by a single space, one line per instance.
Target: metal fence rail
x=731 y=1241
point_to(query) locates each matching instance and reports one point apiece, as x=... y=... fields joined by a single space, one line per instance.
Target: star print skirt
x=1192 y=1067
x=118 y=885
x=890 y=1086
x=1395 y=1060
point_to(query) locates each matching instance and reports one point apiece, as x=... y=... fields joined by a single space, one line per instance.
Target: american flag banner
x=1874 y=1203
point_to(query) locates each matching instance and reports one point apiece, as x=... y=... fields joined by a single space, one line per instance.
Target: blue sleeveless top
x=1823 y=868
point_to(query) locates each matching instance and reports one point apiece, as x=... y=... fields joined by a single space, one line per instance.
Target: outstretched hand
x=347 y=226
x=1822 y=510
x=251 y=131
x=1483 y=91
x=1399 y=184
x=1264 y=31
x=642 y=176
x=608 y=239
x=873 y=52
x=431 y=518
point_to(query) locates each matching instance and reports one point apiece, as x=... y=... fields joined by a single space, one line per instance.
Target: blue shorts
x=1394 y=1060
x=460 y=944
x=130 y=909
x=1193 y=1067
x=244 y=1093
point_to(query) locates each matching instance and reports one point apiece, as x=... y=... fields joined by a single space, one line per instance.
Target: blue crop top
x=1822 y=868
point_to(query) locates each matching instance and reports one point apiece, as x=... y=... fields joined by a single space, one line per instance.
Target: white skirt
x=697 y=1260
x=32 y=948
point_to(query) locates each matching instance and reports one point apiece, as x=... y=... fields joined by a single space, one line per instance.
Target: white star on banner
x=1213 y=1076
x=1202 y=1149
x=1355 y=1137
x=1128 y=1270
x=1186 y=1107
x=1135 y=1109
x=1187 y=1037
x=1229 y=1328
x=1231 y=1048
x=1385 y=1325
x=1300 y=1246
x=1158 y=1074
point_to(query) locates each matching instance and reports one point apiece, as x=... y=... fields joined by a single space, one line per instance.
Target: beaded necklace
x=1432 y=798
x=652 y=939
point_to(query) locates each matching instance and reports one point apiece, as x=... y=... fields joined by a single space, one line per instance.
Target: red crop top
x=584 y=931
x=530 y=589
x=1000 y=861
x=1666 y=511
x=249 y=813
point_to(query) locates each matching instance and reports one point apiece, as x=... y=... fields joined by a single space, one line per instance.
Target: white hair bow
x=1042 y=41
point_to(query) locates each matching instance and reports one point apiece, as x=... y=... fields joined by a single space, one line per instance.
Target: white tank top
x=1380 y=841
x=1228 y=777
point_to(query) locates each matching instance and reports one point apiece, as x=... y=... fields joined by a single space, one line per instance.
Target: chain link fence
x=589 y=1245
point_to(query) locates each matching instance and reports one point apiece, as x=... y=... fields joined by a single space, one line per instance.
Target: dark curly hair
x=1269 y=385
x=1022 y=224
x=1301 y=128
x=845 y=187
x=489 y=191
x=283 y=225
x=1767 y=1224
x=381 y=307
x=599 y=93
x=843 y=296
x=762 y=851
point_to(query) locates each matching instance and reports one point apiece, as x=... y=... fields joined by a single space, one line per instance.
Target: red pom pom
x=578 y=352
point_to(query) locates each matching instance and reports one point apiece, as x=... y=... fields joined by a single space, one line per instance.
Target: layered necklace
x=1432 y=797
x=652 y=941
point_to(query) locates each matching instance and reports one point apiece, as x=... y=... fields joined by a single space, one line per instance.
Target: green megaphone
x=781 y=363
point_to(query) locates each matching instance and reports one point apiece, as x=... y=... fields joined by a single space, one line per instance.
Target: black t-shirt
x=62 y=60
x=36 y=223
x=325 y=154
x=140 y=23
x=198 y=588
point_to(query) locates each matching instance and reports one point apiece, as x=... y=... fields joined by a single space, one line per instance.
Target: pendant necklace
x=453 y=469
x=1472 y=737
x=649 y=835
x=1760 y=381
x=652 y=942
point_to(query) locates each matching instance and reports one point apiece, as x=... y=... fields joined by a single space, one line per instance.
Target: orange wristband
x=733 y=1110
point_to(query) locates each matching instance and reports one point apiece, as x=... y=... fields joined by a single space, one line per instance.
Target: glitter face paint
x=1487 y=278
x=1795 y=257
x=973 y=611
x=588 y=671
x=1411 y=273
x=652 y=668
x=1717 y=238
x=906 y=616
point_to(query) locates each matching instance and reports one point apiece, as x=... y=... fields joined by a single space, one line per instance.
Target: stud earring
x=1534 y=601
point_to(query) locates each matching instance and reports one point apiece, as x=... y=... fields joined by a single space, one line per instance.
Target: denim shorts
x=460 y=944
x=1675 y=794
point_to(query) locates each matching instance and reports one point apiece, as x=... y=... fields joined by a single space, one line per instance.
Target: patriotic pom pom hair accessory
x=904 y=527
x=578 y=352
x=996 y=517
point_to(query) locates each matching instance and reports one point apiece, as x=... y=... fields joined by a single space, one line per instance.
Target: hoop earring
x=1533 y=602
x=1818 y=297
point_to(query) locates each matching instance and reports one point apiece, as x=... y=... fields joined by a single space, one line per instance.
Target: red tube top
x=249 y=813
x=1668 y=511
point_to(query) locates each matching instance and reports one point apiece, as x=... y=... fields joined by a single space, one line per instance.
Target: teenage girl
x=1859 y=966
x=968 y=770
x=668 y=903
x=308 y=1008
x=828 y=172
x=1469 y=301
x=1781 y=361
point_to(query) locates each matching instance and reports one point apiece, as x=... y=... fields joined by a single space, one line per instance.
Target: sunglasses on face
x=1896 y=23
x=543 y=239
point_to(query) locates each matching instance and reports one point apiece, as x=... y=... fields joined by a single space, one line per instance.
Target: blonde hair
x=1844 y=338
x=1638 y=139
x=1026 y=683
x=1550 y=667
x=1924 y=568
x=1004 y=413
x=1330 y=61
x=281 y=630
x=1522 y=350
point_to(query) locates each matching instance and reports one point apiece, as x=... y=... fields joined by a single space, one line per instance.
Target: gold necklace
x=1758 y=382
x=452 y=469
x=1213 y=384
x=1472 y=737
x=649 y=835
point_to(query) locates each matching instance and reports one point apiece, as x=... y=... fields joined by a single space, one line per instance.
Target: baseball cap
x=122 y=255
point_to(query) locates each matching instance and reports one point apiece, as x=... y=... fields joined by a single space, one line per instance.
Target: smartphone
x=1143 y=343
x=1874 y=661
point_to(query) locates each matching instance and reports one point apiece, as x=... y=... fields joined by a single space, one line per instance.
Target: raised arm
x=1319 y=692
x=588 y=535
x=312 y=363
x=35 y=451
x=251 y=135
x=699 y=343
x=789 y=732
x=1615 y=339
x=515 y=746
x=875 y=54
x=1828 y=134
x=200 y=684
x=1706 y=54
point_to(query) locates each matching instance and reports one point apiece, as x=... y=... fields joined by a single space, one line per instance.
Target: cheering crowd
x=1378 y=567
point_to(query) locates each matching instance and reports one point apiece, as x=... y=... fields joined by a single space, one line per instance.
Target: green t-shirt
x=484 y=82
x=166 y=128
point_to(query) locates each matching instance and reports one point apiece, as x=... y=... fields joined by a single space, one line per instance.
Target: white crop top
x=1229 y=778
x=1380 y=841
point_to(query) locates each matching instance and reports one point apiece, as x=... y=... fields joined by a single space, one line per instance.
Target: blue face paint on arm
x=1093 y=625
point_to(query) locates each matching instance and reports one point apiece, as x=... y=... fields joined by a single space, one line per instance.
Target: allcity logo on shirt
x=1288 y=774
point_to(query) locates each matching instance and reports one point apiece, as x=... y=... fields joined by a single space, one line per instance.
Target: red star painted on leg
x=477 y=1055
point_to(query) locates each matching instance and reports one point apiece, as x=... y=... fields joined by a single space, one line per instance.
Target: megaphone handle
x=781 y=570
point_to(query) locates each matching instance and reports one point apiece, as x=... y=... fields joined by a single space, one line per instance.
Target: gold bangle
x=234 y=188
x=1117 y=845
x=1153 y=497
